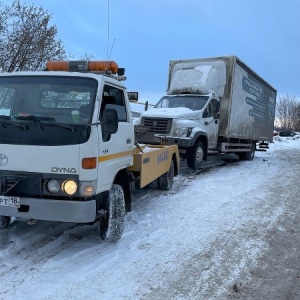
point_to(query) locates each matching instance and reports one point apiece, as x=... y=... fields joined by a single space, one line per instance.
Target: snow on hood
x=178 y=112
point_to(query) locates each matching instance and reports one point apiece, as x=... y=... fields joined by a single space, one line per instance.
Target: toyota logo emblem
x=3 y=160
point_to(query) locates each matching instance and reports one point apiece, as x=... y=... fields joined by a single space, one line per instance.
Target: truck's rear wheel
x=4 y=221
x=112 y=221
x=195 y=155
x=165 y=181
x=248 y=155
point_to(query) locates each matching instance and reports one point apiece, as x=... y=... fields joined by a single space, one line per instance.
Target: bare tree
x=288 y=113
x=27 y=40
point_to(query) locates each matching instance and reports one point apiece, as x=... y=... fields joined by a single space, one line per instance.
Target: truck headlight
x=180 y=132
x=53 y=186
x=69 y=187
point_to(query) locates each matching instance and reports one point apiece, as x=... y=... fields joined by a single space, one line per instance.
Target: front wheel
x=165 y=181
x=4 y=221
x=195 y=155
x=112 y=220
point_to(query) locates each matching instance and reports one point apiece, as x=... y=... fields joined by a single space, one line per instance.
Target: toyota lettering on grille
x=3 y=160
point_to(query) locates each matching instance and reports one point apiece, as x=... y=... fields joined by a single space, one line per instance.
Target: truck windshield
x=55 y=99
x=189 y=101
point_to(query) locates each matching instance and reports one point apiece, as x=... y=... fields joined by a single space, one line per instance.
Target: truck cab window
x=211 y=109
x=208 y=111
x=113 y=98
x=215 y=106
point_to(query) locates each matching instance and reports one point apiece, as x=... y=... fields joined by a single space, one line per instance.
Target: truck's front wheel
x=195 y=155
x=112 y=220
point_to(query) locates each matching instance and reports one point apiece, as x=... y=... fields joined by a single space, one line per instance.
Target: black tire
x=165 y=181
x=112 y=222
x=153 y=184
x=4 y=221
x=195 y=155
x=249 y=155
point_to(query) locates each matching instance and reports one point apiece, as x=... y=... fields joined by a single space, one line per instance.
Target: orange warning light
x=83 y=66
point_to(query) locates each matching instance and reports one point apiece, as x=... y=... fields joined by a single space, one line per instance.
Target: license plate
x=9 y=201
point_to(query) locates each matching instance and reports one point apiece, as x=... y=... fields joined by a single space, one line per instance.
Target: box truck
x=213 y=105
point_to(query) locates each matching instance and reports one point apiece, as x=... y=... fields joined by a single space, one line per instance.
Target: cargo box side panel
x=252 y=107
x=226 y=101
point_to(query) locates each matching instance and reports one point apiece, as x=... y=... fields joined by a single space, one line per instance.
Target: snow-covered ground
x=191 y=242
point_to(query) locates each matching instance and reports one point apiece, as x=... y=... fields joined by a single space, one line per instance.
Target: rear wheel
x=165 y=181
x=4 y=221
x=248 y=155
x=195 y=155
x=112 y=220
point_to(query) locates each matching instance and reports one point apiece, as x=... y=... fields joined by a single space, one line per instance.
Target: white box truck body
x=212 y=105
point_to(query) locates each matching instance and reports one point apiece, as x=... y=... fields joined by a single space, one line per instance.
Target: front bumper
x=53 y=210
x=182 y=143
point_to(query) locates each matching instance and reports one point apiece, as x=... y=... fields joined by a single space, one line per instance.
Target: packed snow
x=187 y=243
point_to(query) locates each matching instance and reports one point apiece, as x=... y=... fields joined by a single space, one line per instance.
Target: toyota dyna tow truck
x=68 y=150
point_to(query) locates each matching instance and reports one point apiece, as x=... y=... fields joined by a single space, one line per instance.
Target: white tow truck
x=67 y=147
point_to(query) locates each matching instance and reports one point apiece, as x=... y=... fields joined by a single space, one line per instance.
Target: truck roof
x=65 y=73
x=232 y=58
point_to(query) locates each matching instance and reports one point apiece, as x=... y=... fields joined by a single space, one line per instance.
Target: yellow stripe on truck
x=114 y=156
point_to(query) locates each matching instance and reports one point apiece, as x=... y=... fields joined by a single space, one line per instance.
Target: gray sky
x=143 y=36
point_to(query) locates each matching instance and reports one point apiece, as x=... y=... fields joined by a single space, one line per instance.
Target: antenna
x=107 y=30
x=111 y=49
x=108 y=35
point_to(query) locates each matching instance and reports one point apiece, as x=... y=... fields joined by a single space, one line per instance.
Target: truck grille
x=158 y=125
x=8 y=182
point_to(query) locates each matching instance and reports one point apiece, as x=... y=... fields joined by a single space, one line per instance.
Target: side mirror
x=109 y=121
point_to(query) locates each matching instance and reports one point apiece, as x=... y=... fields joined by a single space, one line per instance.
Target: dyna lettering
x=63 y=170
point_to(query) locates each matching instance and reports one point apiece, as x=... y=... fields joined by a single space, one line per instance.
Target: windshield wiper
x=4 y=117
x=72 y=128
x=34 y=118
x=7 y=121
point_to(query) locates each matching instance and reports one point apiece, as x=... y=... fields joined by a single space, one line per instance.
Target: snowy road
x=215 y=235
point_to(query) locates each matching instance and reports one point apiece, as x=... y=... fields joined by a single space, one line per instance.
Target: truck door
x=211 y=121
x=115 y=149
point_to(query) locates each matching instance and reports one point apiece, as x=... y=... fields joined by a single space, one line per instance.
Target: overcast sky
x=144 y=35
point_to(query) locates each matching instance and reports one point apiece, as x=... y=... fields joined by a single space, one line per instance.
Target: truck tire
x=112 y=222
x=165 y=181
x=250 y=155
x=195 y=155
x=4 y=221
